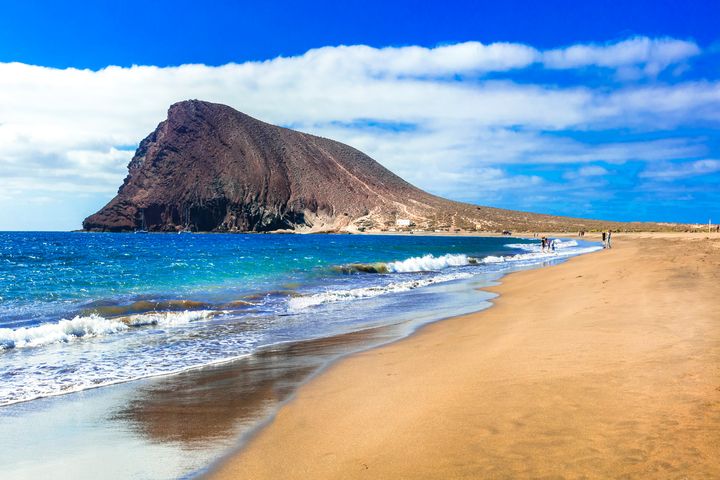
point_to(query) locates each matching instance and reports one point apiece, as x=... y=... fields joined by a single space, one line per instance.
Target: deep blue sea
x=80 y=310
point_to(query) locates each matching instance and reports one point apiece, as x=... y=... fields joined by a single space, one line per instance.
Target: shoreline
x=124 y=317
x=180 y=411
x=315 y=440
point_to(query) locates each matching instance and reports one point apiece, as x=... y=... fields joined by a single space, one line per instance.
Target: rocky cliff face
x=209 y=168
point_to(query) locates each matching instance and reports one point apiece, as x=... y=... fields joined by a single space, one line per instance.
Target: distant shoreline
x=682 y=229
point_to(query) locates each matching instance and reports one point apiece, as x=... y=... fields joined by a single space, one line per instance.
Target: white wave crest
x=66 y=331
x=537 y=247
x=563 y=249
x=168 y=318
x=565 y=243
x=428 y=263
x=333 y=296
x=61 y=332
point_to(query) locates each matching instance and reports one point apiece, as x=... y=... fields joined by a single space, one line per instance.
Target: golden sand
x=607 y=366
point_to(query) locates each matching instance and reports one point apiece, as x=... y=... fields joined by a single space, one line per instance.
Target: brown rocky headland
x=210 y=168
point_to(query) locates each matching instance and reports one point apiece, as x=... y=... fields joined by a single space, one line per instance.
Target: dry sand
x=607 y=366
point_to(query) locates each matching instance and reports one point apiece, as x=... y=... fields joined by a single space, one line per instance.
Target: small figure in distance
x=604 y=237
x=608 y=239
x=543 y=242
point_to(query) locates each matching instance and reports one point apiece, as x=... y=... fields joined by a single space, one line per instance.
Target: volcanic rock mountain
x=210 y=168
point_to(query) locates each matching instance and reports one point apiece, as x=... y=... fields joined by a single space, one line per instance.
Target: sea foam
x=429 y=263
x=61 y=332
x=333 y=296
x=563 y=249
x=93 y=325
x=536 y=247
x=168 y=318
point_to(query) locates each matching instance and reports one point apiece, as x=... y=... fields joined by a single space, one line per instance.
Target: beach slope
x=606 y=366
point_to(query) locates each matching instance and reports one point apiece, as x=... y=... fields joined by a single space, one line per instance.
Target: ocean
x=80 y=312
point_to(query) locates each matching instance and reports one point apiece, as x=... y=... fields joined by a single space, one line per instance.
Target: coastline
x=605 y=365
x=193 y=417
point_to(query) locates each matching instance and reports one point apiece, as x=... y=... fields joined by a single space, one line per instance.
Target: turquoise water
x=43 y=275
x=79 y=311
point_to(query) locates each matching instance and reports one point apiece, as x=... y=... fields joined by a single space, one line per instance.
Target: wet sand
x=213 y=404
x=606 y=366
x=164 y=427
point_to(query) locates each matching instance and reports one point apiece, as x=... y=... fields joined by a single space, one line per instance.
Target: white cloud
x=669 y=172
x=651 y=56
x=592 y=171
x=585 y=172
x=468 y=57
x=61 y=130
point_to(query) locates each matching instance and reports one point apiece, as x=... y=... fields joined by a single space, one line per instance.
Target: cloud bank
x=474 y=122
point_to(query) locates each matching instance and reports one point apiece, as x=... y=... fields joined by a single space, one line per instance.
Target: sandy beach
x=606 y=366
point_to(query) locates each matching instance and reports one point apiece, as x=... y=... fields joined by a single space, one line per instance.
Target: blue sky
x=590 y=109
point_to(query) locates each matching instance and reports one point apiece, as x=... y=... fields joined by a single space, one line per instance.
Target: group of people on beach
x=548 y=244
x=606 y=236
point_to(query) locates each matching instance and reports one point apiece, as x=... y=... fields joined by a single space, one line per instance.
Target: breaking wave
x=426 y=263
x=93 y=325
x=333 y=296
x=430 y=263
x=61 y=332
x=563 y=249
x=536 y=247
x=168 y=318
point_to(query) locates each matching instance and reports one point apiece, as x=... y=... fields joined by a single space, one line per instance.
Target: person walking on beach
x=608 y=238
x=604 y=236
x=543 y=242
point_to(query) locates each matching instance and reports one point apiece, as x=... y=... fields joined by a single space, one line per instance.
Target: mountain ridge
x=211 y=168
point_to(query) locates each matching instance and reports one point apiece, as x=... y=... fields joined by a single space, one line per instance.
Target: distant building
x=403 y=222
